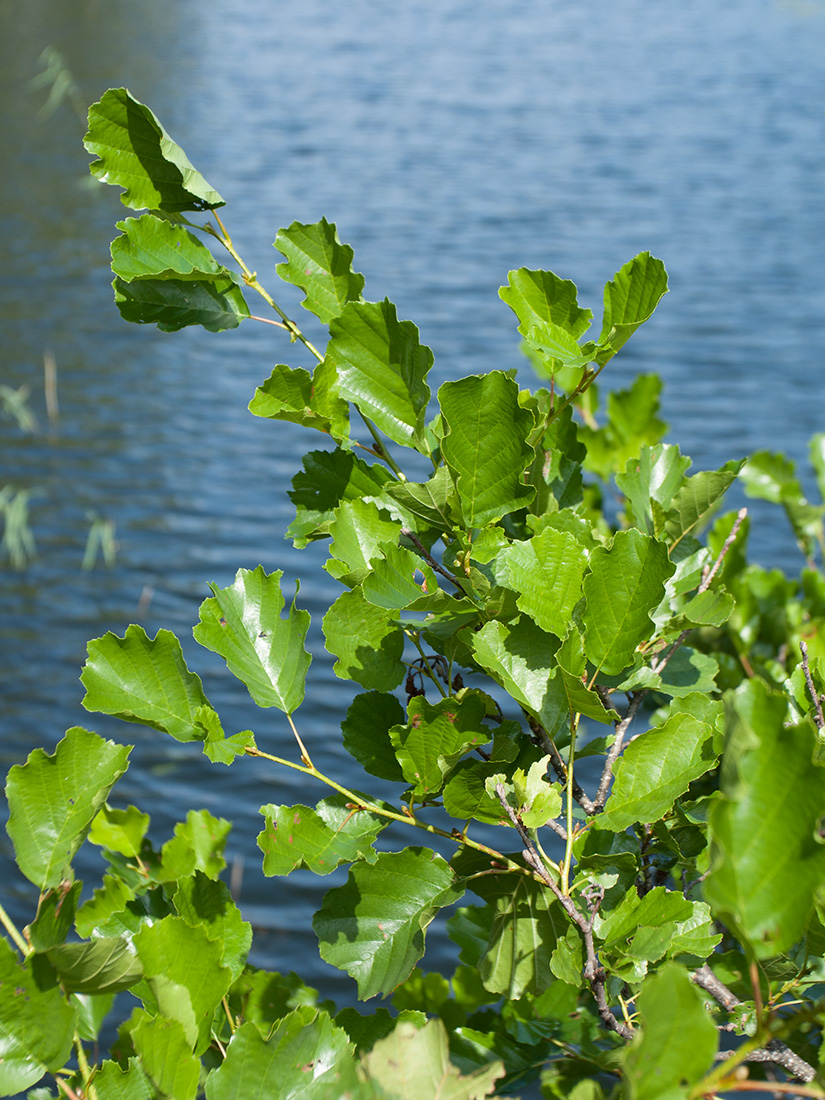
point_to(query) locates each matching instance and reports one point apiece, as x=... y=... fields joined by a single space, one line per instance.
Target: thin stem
x=413 y=636
x=251 y=280
x=267 y=321
x=83 y=1065
x=232 y=1024
x=615 y=751
x=430 y=560
x=11 y=928
x=406 y=818
x=380 y=448
x=819 y=719
x=568 y=851
x=304 y=754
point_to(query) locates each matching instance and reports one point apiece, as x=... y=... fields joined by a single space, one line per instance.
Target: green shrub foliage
x=513 y=634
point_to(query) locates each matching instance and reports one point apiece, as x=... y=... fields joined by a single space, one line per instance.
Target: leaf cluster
x=603 y=724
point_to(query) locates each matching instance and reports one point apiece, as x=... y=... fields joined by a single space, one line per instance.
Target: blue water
x=451 y=142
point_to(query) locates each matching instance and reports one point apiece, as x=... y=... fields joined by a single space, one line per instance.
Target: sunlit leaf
x=625 y=584
x=135 y=152
x=320 y=839
x=319 y=264
x=166 y=1056
x=767 y=860
x=36 y=1025
x=485 y=445
x=327 y=479
x=382 y=368
x=243 y=623
x=413 y=1063
x=374 y=926
x=294 y=395
x=306 y=1057
x=436 y=737
x=366 y=641
x=53 y=801
x=656 y=768
x=207 y=903
x=630 y=298
x=677 y=1040
x=119 y=830
x=142 y=679
x=183 y=968
x=546 y=572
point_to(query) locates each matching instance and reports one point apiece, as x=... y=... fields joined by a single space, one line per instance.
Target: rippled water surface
x=450 y=141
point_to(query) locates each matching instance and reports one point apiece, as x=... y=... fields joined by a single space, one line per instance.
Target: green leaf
x=36 y=1025
x=142 y=679
x=630 y=298
x=521 y=658
x=534 y=799
x=183 y=968
x=103 y=965
x=767 y=859
x=166 y=1056
x=661 y=924
x=525 y=925
x=206 y=903
x=625 y=584
x=55 y=916
x=392 y=582
x=296 y=396
x=366 y=730
x=327 y=479
x=152 y=246
x=197 y=845
x=113 y=1082
x=652 y=479
x=366 y=641
x=373 y=927
x=436 y=737
x=678 y=1039
x=266 y=652
x=306 y=1057
x=92 y=1010
x=413 y=1063
x=172 y=304
x=546 y=571
x=135 y=152
x=320 y=265
x=53 y=801
x=434 y=501
x=485 y=445
x=632 y=422
x=656 y=768
x=360 y=532
x=320 y=839
x=540 y=298
x=382 y=368
x=698 y=498
x=120 y=830
x=111 y=898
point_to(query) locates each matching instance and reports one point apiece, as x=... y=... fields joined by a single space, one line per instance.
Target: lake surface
x=451 y=142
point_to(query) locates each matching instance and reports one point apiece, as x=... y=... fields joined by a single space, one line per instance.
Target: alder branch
x=657 y=666
x=809 y=680
x=615 y=751
x=430 y=560
x=707 y=576
x=775 y=1050
x=593 y=971
x=559 y=766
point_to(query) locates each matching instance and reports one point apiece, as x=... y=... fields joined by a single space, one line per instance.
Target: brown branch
x=809 y=680
x=774 y=1050
x=593 y=972
x=559 y=766
x=615 y=751
x=430 y=560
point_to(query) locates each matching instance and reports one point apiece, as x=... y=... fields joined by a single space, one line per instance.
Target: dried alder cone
x=601 y=729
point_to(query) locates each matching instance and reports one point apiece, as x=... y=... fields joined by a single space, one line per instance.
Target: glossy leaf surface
x=767 y=859
x=53 y=801
x=374 y=926
x=142 y=679
x=319 y=264
x=243 y=623
x=135 y=152
x=485 y=445
x=320 y=839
